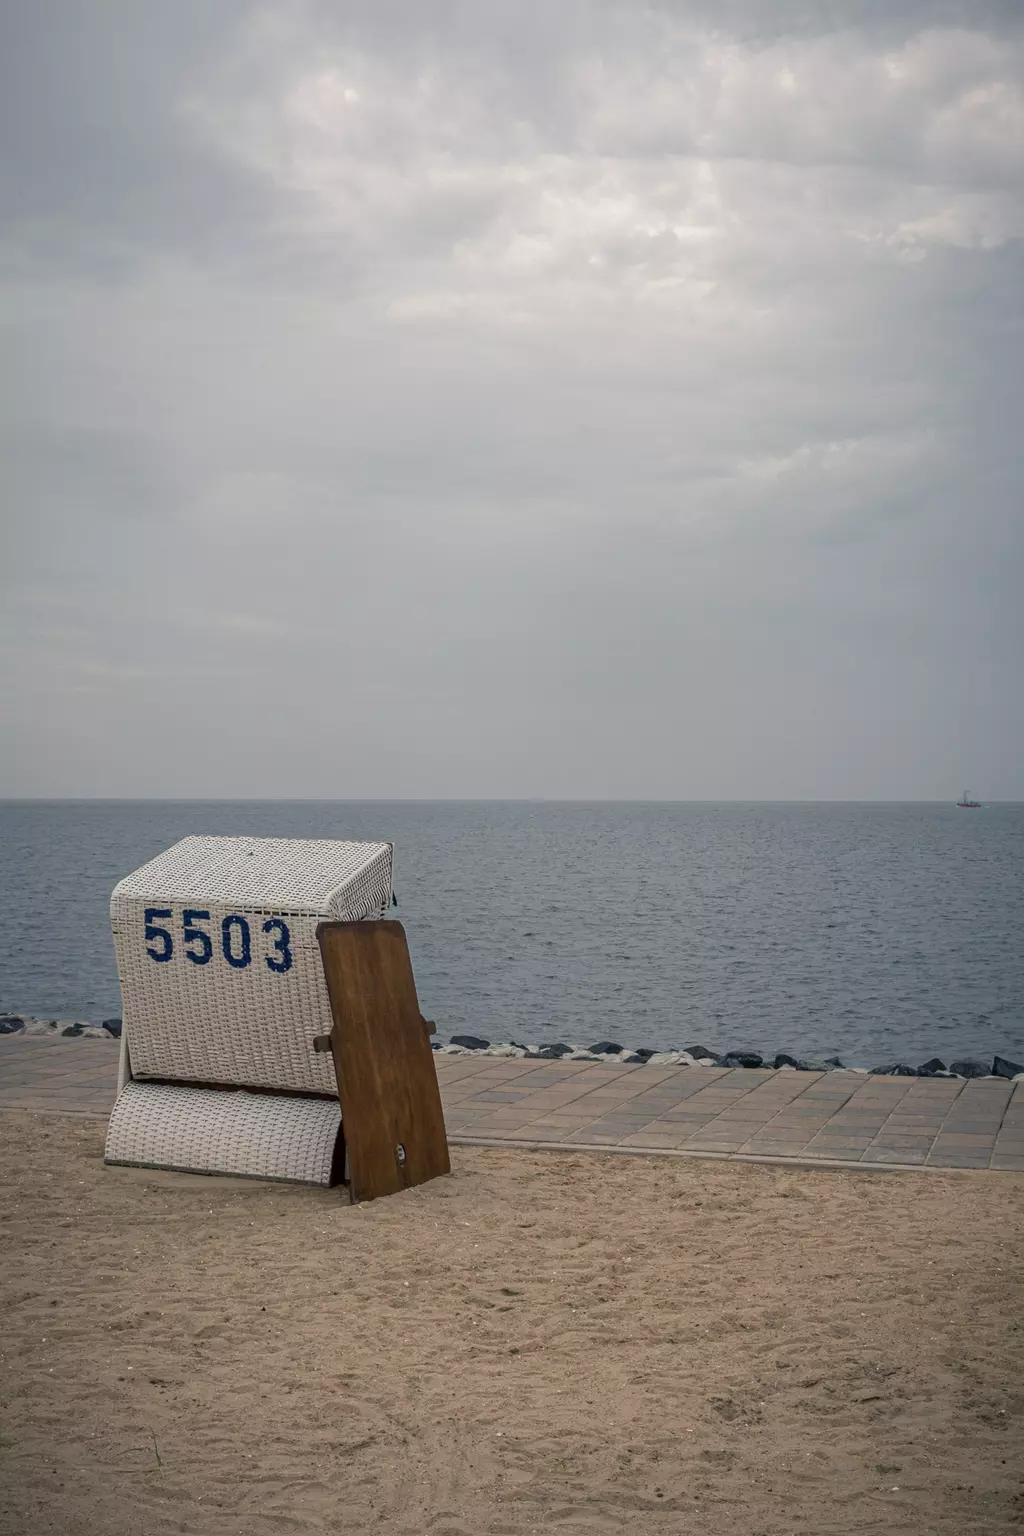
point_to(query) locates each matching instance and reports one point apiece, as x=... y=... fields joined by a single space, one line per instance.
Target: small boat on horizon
x=967 y=804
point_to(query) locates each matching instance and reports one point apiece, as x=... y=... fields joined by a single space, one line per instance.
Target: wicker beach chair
x=223 y=991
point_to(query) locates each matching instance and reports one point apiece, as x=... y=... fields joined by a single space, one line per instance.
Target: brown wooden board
x=391 y=1111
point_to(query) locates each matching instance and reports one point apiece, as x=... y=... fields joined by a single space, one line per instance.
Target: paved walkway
x=835 y=1118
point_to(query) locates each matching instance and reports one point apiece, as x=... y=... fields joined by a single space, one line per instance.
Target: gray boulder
x=969 y=1066
x=932 y=1067
x=1003 y=1068
x=801 y=1065
x=470 y=1042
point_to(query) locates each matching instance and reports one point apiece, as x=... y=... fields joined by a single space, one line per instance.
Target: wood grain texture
x=390 y=1103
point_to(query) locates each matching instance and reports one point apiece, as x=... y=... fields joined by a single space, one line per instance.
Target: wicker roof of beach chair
x=318 y=876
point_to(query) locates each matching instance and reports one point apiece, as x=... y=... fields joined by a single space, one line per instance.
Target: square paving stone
x=975 y=1127
x=713 y=1143
x=662 y=1143
x=822 y=1111
x=776 y=1149
x=776 y=1146
x=603 y=1096
x=917 y=1118
x=650 y=1111
x=590 y=1137
x=757 y=1148
x=502 y=1117
x=801 y=1114
x=904 y=1138
x=544 y=1132
x=495 y=1132
x=731 y=1126
x=778 y=1132
x=621 y=1128
x=571 y=1122
x=959 y=1158
x=568 y=1115
x=858 y=1122
x=793 y=1132
x=719 y=1100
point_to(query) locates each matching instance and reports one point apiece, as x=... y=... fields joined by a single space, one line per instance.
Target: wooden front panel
x=391 y=1111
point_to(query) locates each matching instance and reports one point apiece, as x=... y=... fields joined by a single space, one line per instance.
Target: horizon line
x=480 y=800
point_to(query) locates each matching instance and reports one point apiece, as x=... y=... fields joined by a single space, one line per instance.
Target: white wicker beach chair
x=223 y=992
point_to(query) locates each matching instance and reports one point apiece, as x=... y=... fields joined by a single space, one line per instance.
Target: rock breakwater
x=609 y=1051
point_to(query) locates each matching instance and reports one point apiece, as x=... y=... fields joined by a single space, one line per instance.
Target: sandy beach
x=562 y=1342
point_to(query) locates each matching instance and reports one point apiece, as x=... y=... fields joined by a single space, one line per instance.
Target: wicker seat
x=223 y=989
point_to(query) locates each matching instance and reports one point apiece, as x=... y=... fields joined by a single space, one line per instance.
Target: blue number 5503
x=235 y=939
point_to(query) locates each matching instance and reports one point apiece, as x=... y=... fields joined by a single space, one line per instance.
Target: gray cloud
x=463 y=399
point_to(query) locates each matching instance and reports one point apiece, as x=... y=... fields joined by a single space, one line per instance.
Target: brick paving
x=835 y=1118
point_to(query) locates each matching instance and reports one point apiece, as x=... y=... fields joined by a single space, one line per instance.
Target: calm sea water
x=874 y=931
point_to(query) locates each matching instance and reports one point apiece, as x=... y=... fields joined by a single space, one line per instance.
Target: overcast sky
x=512 y=399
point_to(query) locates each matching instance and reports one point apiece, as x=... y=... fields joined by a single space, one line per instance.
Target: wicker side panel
x=215 y=1024
x=368 y=894
x=197 y=1130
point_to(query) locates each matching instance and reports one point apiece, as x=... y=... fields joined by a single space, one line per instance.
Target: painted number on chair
x=233 y=945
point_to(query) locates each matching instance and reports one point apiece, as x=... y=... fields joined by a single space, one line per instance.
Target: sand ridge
x=560 y=1342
